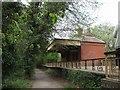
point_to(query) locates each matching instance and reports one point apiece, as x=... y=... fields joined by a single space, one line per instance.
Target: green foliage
x=10 y=35
x=79 y=78
x=16 y=83
x=52 y=57
x=105 y=33
x=41 y=21
x=53 y=17
x=83 y=79
x=25 y=34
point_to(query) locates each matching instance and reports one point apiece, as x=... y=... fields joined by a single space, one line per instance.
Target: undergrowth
x=81 y=79
x=17 y=83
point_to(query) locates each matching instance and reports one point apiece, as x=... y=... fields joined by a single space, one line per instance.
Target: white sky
x=108 y=12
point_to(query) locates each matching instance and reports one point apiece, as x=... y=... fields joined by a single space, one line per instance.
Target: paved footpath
x=43 y=80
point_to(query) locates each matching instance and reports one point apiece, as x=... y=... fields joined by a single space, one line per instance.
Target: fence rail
x=105 y=66
x=110 y=66
x=90 y=64
x=112 y=63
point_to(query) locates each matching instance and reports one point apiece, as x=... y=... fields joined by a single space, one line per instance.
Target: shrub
x=83 y=79
x=52 y=57
x=16 y=83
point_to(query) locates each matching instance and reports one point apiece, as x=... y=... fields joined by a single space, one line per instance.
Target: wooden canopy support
x=112 y=52
x=61 y=43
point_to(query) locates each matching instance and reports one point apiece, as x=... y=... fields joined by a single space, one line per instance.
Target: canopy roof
x=57 y=42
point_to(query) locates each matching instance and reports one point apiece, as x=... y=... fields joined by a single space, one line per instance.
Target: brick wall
x=92 y=50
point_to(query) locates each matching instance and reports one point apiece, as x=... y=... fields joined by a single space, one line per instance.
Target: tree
x=105 y=33
x=25 y=34
x=12 y=40
x=10 y=31
x=78 y=15
x=40 y=20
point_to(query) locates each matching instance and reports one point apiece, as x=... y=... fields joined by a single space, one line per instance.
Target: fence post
x=85 y=64
x=80 y=64
x=59 y=64
x=76 y=64
x=71 y=64
x=119 y=70
x=66 y=64
x=93 y=65
x=106 y=68
x=110 y=69
x=55 y=64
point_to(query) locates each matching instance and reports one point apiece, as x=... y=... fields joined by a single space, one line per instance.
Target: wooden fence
x=105 y=66
x=90 y=65
x=112 y=63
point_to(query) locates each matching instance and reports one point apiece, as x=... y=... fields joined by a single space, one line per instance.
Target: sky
x=108 y=12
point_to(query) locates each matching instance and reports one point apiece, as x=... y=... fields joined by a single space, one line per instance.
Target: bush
x=78 y=78
x=83 y=79
x=52 y=57
x=16 y=83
